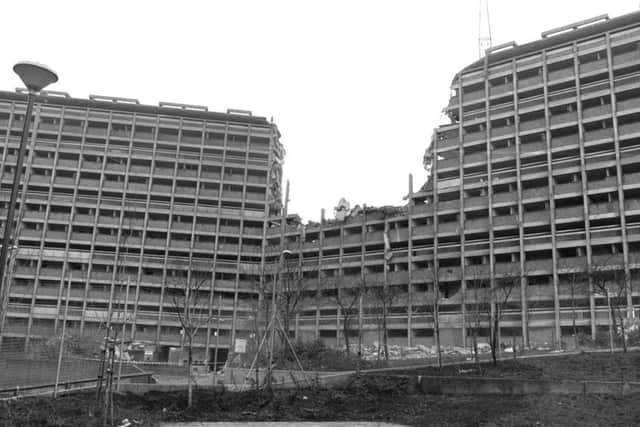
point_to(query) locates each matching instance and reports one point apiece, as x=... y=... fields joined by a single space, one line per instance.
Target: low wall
x=140 y=389
x=237 y=377
x=504 y=386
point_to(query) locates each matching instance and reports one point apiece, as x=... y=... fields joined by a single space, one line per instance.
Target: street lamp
x=35 y=77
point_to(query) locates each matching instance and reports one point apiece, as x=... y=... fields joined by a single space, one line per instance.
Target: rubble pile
x=397 y=352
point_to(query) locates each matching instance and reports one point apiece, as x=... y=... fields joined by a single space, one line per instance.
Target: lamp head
x=35 y=76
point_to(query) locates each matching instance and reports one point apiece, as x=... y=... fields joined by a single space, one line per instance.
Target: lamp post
x=35 y=77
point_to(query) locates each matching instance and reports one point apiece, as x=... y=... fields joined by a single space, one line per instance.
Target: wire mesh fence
x=69 y=360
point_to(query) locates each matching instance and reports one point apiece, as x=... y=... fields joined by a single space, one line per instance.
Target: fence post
x=64 y=327
x=124 y=330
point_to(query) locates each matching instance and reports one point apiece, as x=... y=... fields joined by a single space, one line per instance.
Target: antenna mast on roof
x=484 y=28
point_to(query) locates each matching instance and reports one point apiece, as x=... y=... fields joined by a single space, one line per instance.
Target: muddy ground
x=585 y=366
x=371 y=398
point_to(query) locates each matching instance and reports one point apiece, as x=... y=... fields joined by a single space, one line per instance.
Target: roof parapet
x=574 y=26
x=193 y=107
x=115 y=99
x=46 y=92
x=500 y=47
x=239 y=112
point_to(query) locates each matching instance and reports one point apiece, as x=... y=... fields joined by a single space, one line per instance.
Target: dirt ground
x=586 y=366
x=370 y=398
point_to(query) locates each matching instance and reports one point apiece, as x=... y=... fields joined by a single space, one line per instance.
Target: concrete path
x=280 y=424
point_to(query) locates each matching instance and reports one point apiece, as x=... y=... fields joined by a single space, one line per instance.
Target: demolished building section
x=535 y=183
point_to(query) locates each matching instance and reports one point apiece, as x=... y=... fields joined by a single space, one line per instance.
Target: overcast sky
x=355 y=87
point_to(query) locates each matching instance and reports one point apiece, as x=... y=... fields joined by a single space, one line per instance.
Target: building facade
x=534 y=184
x=536 y=181
x=124 y=204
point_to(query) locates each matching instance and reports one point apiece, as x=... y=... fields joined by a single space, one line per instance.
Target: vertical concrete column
x=487 y=108
x=621 y=208
x=524 y=312
x=585 y=194
x=552 y=206
x=463 y=269
x=410 y=264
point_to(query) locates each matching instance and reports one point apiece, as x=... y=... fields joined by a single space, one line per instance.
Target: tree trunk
x=385 y=335
x=436 y=324
x=189 y=382
x=345 y=331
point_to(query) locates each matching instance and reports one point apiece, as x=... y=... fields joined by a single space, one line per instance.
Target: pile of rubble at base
x=396 y=352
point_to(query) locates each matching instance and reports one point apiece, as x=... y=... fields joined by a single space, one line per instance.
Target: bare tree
x=291 y=295
x=188 y=297
x=477 y=305
x=499 y=296
x=610 y=280
x=384 y=297
x=347 y=298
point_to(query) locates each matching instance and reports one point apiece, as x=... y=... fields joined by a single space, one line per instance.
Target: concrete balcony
x=505 y=220
x=475 y=158
x=598 y=134
x=600 y=110
x=535 y=193
x=561 y=74
x=480 y=224
x=568 y=117
x=422 y=231
x=628 y=104
x=607 y=183
x=568 y=188
x=475 y=136
x=452 y=205
x=448 y=163
x=374 y=236
x=472 y=96
x=65 y=181
x=632 y=204
x=603 y=208
x=588 y=67
x=34 y=215
x=564 y=141
x=612 y=261
x=507 y=153
x=104 y=220
x=501 y=89
x=573 y=263
x=423 y=209
x=398 y=234
x=507 y=269
x=511 y=196
x=177 y=243
x=255 y=196
x=626 y=58
x=398 y=278
x=163 y=189
x=480 y=201
x=531 y=125
x=538 y=216
x=575 y=212
x=530 y=82
x=115 y=185
x=450 y=142
x=57 y=235
x=502 y=131
x=541 y=266
x=628 y=129
x=81 y=237
x=28 y=232
x=448 y=227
